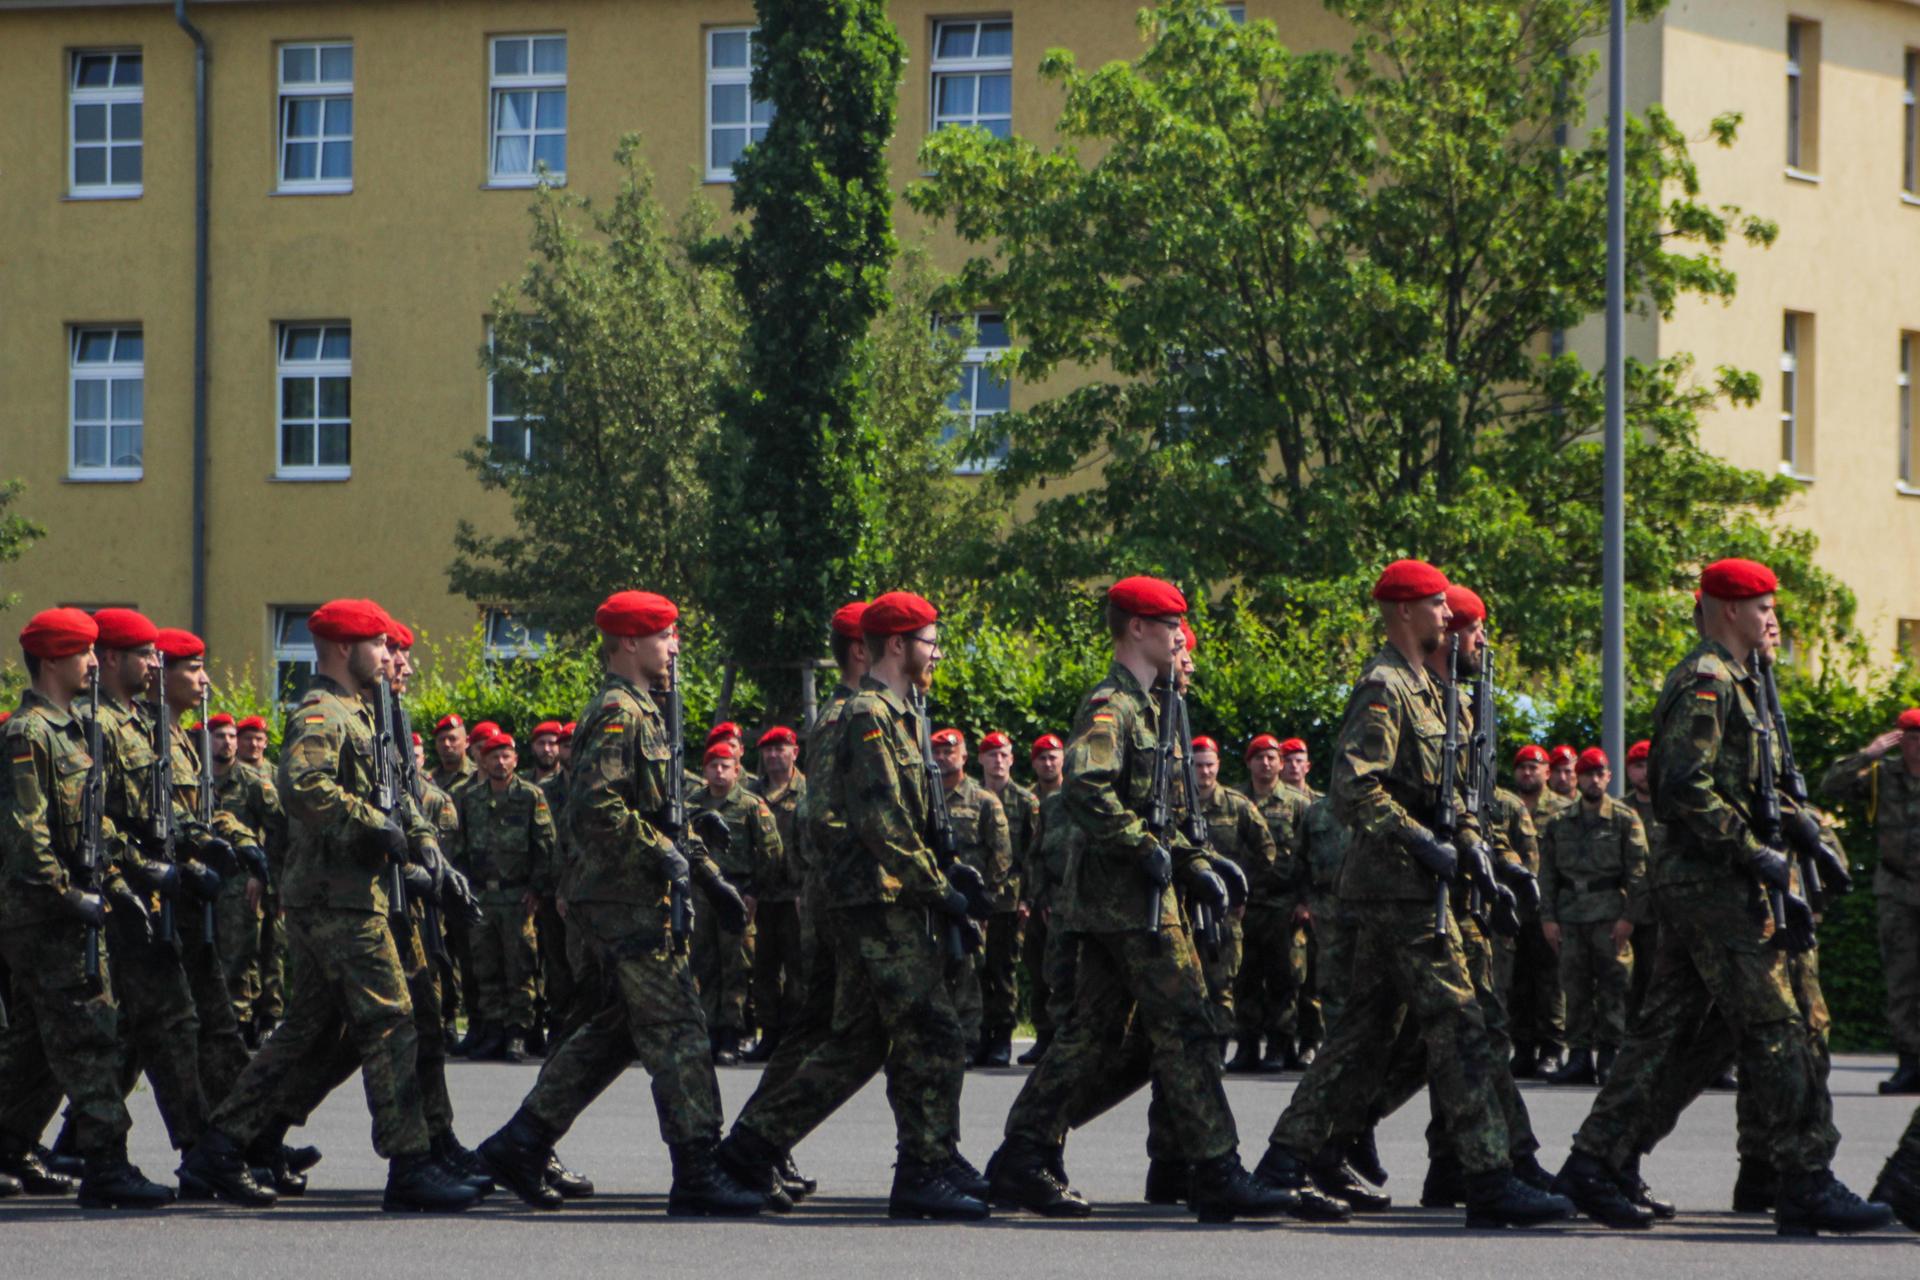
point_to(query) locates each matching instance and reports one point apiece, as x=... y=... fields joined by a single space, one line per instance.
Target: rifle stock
x=674 y=820
x=941 y=838
x=93 y=812
x=160 y=800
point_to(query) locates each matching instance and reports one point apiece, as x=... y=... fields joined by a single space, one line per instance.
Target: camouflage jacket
x=128 y=739
x=1386 y=777
x=1241 y=834
x=1892 y=797
x=326 y=780
x=41 y=812
x=506 y=839
x=1284 y=809
x=1514 y=831
x=449 y=780
x=821 y=827
x=1641 y=909
x=1053 y=839
x=186 y=790
x=246 y=793
x=754 y=855
x=1547 y=806
x=437 y=807
x=1107 y=791
x=1323 y=847
x=878 y=794
x=1023 y=828
x=782 y=884
x=555 y=790
x=617 y=793
x=980 y=829
x=1593 y=864
x=1705 y=769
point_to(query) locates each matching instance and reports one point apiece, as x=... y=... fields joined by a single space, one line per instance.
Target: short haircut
x=1117 y=619
x=33 y=666
x=843 y=648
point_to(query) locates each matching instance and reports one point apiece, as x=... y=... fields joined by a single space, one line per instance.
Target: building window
x=983 y=391
x=509 y=428
x=1909 y=455
x=529 y=131
x=107 y=370
x=509 y=637
x=735 y=118
x=973 y=75
x=1796 y=396
x=316 y=401
x=1910 y=119
x=1236 y=14
x=294 y=660
x=1907 y=638
x=104 y=125
x=316 y=117
x=1803 y=96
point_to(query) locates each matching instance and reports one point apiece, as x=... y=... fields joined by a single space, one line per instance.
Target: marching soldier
x=1044 y=868
x=779 y=951
x=1529 y=969
x=999 y=993
x=722 y=959
x=1267 y=998
x=980 y=832
x=506 y=839
x=246 y=793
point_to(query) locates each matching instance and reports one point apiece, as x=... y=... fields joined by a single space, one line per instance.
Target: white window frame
x=111 y=371
x=326 y=91
x=530 y=81
x=113 y=95
x=496 y=420
x=1903 y=384
x=508 y=639
x=1793 y=419
x=719 y=76
x=944 y=69
x=974 y=366
x=290 y=652
x=287 y=368
x=1795 y=90
x=1910 y=125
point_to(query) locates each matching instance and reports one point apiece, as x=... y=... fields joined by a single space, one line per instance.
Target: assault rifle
x=203 y=739
x=674 y=821
x=387 y=794
x=160 y=801
x=1791 y=932
x=1160 y=795
x=1206 y=924
x=1820 y=863
x=961 y=934
x=93 y=812
x=1446 y=814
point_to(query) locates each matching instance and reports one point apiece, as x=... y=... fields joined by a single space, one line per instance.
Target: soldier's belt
x=1599 y=884
x=496 y=886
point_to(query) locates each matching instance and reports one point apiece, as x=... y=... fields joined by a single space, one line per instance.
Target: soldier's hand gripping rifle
x=1822 y=866
x=1482 y=772
x=387 y=796
x=93 y=813
x=673 y=819
x=161 y=847
x=1156 y=862
x=1205 y=902
x=1773 y=868
x=962 y=933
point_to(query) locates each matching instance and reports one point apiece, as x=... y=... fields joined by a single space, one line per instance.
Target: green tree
x=17 y=533
x=613 y=345
x=1312 y=295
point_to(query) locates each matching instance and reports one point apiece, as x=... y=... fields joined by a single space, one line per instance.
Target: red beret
x=1909 y=719
x=416 y=740
x=846 y=619
x=725 y=729
x=545 y=727
x=252 y=722
x=124 y=629
x=180 y=645
x=722 y=750
x=896 y=613
x=196 y=726
x=1468 y=608
x=399 y=634
x=1263 y=742
x=1047 y=742
x=1562 y=754
x=1293 y=746
x=5 y=716
x=1147 y=597
x=1639 y=751
x=779 y=733
x=221 y=721
x=494 y=741
x=635 y=613
x=1204 y=743
x=1530 y=754
x=1737 y=580
x=943 y=736
x=566 y=730
x=1186 y=634
x=344 y=621
x=1409 y=580
x=451 y=720
x=58 y=633
x=1591 y=760
x=485 y=729
x=994 y=741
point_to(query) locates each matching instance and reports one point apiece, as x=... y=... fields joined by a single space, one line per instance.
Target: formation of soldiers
x=247 y=936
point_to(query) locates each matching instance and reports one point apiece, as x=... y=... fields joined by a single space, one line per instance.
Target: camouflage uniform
x=1532 y=981
x=568 y=962
x=506 y=841
x=246 y=793
x=347 y=974
x=779 y=985
x=999 y=989
x=460 y=992
x=1386 y=778
x=891 y=1005
x=617 y=896
x=1892 y=797
x=1714 y=951
x=1038 y=874
x=451 y=780
x=1323 y=850
x=1593 y=867
x=1240 y=834
x=1269 y=994
x=1646 y=925
x=980 y=831
x=1123 y=971
x=723 y=962
x=61 y=1038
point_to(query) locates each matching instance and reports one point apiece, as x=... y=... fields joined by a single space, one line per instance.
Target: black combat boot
x=1905 y=1077
x=516 y=1158
x=1023 y=1175
x=996 y=1050
x=797 y=1184
x=702 y=1189
x=67 y=1164
x=1279 y=1056
x=1806 y=1204
x=215 y=1169
x=268 y=1155
x=1526 y=1061
x=1040 y=1042
x=421 y=1184
x=1284 y=1171
x=1526 y=1167
x=535 y=1041
x=32 y=1176
x=1635 y=1189
x=763 y=1048
x=1898 y=1187
x=1223 y=1190
x=1498 y=1199
x=1333 y=1175
x=1246 y=1056
x=753 y=1162
x=570 y=1185
x=922 y=1191
x=966 y=1179
x=1553 y=1055
x=111 y=1181
x=512 y=1047
x=1603 y=1062
x=1446 y=1184
x=1363 y=1156
x=463 y=1164
x=1594 y=1190
x=1578 y=1069
x=10 y=1187
x=1754 y=1189
x=484 y=1043
x=1168 y=1181
x=725 y=1047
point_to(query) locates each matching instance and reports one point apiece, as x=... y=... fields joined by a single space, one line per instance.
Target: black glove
x=713 y=832
x=974 y=887
x=1804 y=834
x=391 y=840
x=128 y=918
x=1798 y=936
x=419 y=882
x=1232 y=876
x=673 y=865
x=88 y=908
x=1202 y=885
x=253 y=860
x=456 y=895
x=1524 y=884
x=217 y=852
x=1439 y=858
x=1156 y=864
x=162 y=878
x=1479 y=866
x=1503 y=912
x=202 y=882
x=428 y=858
x=152 y=833
x=1772 y=869
x=725 y=900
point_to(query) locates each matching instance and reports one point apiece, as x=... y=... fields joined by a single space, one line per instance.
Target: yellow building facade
x=370 y=169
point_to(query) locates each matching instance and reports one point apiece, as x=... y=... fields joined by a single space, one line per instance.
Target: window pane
x=130 y=346
x=550 y=55
x=960 y=399
x=550 y=110
x=1001 y=128
x=956 y=96
x=996 y=40
x=511 y=155
x=302 y=161
x=90 y=446
x=89 y=122
x=956 y=40
x=296 y=444
x=338 y=345
x=303 y=117
x=296 y=64
x=762 y=112
x=302 y=343
x=550 y=149
x=89 y=166
x=93 y=70
x=730 y=50
x=996 y=95
x=729 y=103
x=126 y=72
x=127 y=399
x=509 y=57
x=296 y=397
x=337 y=161
x=516 y=110
x=335 y=397
x=336 y=62
x=89 y=399
x=339 y=117
x=992 y=330
x=992 y=391
x=96 y=345
x=127 y=446
x=126 y=122
x=126 y=165
x=727 y=146
x=333 y=445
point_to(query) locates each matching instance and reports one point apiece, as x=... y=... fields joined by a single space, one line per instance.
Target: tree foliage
x=17 y=533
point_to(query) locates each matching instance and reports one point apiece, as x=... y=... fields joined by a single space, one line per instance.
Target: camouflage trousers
x=1530 y=980
x=61 y=1039
x=1714 y=957
x=1222 y=970
x=240 y=931
x=1332 y=958
x=891 y=1008
x=812 y=1025
x=1595 y=976
x=722 y=966
x=589 y=982
x=347 y=980
x=999 y=992
x=649 y=1013
x=1152 y=987
x=1057 y=968
x=502 y=946
x=1402 y=971
x=556 y=970
x=1268 y=995
x=223 y=1053
x=1646 y=941
x=273 y=963
x=159 y=1031
x=1033 y=958
x=779 y=966
x=1900 y=961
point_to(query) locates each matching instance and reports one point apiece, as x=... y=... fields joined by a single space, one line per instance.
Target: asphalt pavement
x=339 y=1230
